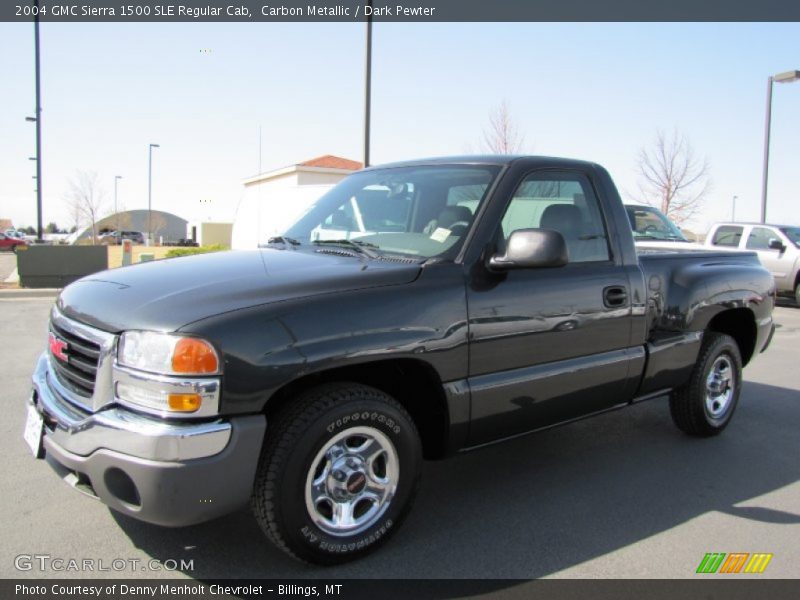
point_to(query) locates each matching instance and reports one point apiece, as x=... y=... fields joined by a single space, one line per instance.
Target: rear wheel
x=797 y=293
x=705 y=405
x=337 y=474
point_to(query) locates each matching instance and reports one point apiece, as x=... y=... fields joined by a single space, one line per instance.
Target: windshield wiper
x=357 y=245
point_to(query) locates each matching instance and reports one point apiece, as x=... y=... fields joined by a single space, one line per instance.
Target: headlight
x=167 y=354
x=167 y=374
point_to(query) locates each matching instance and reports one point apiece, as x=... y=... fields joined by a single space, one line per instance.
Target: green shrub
x=174 y=252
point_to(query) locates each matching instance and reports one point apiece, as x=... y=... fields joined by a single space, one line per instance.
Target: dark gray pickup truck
x=416 y=310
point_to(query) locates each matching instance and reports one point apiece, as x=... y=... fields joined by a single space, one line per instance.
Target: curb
x=29 y=293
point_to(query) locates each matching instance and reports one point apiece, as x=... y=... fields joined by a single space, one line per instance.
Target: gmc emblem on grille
x=58 y=348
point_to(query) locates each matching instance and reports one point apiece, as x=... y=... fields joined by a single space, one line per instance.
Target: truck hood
x=166 y=295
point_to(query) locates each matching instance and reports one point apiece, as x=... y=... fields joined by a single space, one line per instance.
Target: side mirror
x=532 y=248
x=776 y=244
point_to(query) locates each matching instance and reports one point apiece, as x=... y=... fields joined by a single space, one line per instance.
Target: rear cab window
x=727 y=235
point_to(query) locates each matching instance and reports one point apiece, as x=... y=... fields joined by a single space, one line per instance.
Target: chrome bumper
x=120 y=430
x=167 y=473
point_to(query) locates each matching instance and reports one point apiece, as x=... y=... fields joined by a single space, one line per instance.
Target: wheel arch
x=740 y=324
x=415 y=384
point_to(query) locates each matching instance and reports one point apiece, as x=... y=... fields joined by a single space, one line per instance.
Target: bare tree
x=86 y=199
x=75 y=214
x=672 y=178
x=502 y=136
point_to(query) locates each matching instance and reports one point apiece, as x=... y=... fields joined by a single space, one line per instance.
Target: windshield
x=649 y=223
x=415 y=211
x=793 y=233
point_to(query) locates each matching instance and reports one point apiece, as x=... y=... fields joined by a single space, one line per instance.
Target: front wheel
x=797 y=294
x=337 y=474
x=705 y=405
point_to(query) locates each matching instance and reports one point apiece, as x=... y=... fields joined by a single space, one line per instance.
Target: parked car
x=11 y=242
x=777 y=246
x=310 y=378
x=653 y=229
x=114 y=238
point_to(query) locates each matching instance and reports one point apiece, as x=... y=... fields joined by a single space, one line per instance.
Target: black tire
x=14 y=248
x=294 y=454
x=797 y=294
x=696 y=408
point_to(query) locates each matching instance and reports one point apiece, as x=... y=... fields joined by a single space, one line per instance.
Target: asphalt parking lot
x=624 y=495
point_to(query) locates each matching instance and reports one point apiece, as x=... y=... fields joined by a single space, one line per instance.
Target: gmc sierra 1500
x=416 y=310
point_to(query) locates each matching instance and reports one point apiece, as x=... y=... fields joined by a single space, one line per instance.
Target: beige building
x=275 y=199
x=208 y=233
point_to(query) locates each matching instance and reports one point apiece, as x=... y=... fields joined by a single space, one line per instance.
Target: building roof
x=321 y=164
x=329 y=161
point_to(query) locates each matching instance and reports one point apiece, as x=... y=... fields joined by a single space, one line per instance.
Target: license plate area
x=34 y=431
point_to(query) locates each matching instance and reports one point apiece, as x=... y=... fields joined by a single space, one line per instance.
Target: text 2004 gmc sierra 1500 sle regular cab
x=415 y=310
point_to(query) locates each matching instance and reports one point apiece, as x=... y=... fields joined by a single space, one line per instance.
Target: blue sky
x=595 y=91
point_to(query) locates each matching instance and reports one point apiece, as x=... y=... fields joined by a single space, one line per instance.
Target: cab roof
x=489 y=159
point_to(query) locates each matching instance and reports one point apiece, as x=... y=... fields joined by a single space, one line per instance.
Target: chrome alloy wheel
x=720 y=387
x=351 y=481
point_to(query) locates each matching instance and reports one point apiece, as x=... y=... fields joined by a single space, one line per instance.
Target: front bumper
x=164 y=472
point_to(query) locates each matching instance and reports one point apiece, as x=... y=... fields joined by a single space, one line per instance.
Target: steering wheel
x=650 y=228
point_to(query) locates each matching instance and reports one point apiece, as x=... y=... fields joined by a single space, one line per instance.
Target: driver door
x=550 y=344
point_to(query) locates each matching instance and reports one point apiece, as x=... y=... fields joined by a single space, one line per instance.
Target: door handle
x=615 y=296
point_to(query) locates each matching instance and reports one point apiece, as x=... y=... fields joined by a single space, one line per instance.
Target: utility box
x=127 y=253
x=58 y=266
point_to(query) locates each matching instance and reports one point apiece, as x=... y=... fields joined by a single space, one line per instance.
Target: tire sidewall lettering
x=328 y=544
x=364 y=418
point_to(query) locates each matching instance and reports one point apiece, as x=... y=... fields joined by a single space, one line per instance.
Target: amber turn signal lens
x=194 y=357
x=184 y=402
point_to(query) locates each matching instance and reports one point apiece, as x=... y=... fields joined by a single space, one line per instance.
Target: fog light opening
x=122 y=487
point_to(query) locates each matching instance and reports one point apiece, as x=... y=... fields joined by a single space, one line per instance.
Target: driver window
x=564 y=202
x=759 y=238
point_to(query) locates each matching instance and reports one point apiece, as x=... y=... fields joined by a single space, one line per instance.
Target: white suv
x=778 y=248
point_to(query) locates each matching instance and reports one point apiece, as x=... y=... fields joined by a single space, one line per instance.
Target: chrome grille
x=82 y=372
x=79 y=371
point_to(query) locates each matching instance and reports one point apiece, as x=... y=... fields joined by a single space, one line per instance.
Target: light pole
x=38 y=120
x=150 y=192
x=733 y=209
x=116 y=211
x=38 y=156
x=368 y=86
x=785 y=77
